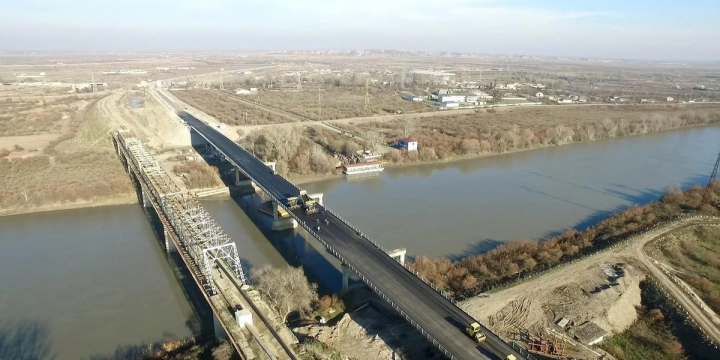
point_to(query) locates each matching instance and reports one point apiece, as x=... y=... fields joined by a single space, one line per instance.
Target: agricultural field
x=227 y=109
x=339 y=102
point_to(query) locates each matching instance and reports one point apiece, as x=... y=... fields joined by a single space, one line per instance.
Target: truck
x=475 y=333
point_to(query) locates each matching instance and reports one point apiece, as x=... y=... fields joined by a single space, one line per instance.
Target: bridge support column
x=145 y=199
x=220 y=333
x=270 y=164
x=280 y=222
x=318 y=197
x=399 y=255
x=169 y=244
x=346 y=275
x=241 y=179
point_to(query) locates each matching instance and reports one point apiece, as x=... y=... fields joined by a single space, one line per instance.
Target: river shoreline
x=315 y=178
x=300 y=180
x=118 y=200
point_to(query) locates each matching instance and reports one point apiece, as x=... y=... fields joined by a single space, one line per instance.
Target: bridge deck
x=442 y=319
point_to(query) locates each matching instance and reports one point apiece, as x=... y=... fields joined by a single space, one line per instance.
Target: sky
x=629 y=29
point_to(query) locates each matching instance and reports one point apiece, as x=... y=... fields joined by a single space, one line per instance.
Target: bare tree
x=373 y=139
x=285 y=289
x=224 y=351
x=407 y=127
x=609 y=127
x=283 y=142
x=590 y=132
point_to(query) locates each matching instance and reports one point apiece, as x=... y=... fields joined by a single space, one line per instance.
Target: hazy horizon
x=658 y=30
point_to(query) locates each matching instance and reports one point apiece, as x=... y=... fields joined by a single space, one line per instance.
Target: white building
x=246 y=91
x=451 y=98
x=669 y=99
x=408 y=144
x=450 y=105
x=413 y=98
x=539 y=95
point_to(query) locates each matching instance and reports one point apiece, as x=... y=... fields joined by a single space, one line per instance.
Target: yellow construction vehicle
x=474 y=332
x=309 y=207
x=293 y=203
x=511 y=357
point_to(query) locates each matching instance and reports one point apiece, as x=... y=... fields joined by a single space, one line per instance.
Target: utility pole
x=367 y=98
x=222 y=78
x=713 y=175
x=319 y=103
x=92 y=76
x=707 y=194
x=299 y=84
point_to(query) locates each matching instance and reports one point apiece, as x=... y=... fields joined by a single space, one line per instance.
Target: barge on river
x=363 y=168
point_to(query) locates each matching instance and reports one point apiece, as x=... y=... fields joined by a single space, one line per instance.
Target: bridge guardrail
x=437 y=344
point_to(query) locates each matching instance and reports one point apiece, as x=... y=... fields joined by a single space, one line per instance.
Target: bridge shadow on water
x=296 y=247
x=200 y=322
x=630 y=197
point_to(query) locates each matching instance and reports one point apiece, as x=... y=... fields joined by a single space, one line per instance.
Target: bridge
x=206 y=250
x=432 y=312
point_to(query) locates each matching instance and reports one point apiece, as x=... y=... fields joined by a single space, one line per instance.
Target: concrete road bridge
x=429 y=310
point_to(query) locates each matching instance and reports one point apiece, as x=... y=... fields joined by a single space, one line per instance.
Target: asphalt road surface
x=444 y=321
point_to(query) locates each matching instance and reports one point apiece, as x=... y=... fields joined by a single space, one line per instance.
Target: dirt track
x=678 y=294
x=536 y=304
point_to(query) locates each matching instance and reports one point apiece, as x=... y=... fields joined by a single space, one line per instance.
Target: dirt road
x=671 y=287
x=537 y=303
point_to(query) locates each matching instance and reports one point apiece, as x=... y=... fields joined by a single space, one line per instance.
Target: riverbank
x=118 y=200
x=308 y=179
x=304 y=179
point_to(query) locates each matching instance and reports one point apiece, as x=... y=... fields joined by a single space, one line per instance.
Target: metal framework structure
x=200 y=236
x=713 y=175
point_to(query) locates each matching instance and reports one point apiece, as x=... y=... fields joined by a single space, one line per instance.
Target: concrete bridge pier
x=271 y=164
x=145 y=198
x=281 y=223
x=346 y=275
x=169 y=244
x=398 y=255
x=241 y=179
x=318 y=197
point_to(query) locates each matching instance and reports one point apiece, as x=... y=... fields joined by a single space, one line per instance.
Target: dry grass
x=502 y=130
x=198 y=174
x=228 y=110
x=81 y=165
x=694 y=252
x=339 y=102
x=33 y=117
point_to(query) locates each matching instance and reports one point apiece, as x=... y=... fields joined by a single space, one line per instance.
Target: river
x=91 y=280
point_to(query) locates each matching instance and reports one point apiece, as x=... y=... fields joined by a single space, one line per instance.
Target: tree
x=407 y=127
x=469 y=146
x=285 y=289
x=224 y=351
x=373 y=139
